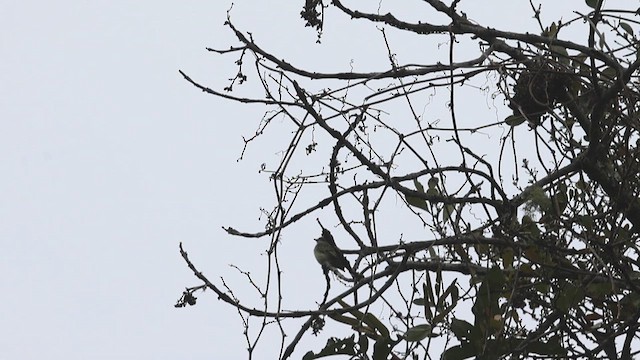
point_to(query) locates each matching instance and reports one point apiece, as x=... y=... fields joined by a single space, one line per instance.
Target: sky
x=110 y=160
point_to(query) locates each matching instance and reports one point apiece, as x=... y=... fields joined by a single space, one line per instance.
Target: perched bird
x=328 y=254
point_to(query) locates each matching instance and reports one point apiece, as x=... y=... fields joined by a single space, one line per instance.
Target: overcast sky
x=110 y=159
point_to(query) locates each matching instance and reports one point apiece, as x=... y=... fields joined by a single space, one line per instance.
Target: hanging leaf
x=374 y=324
x=461 y=329
x=507 y=257
x=416 y=201
x=486 y=309
x=418 y=332
x=451 y=291
x=447 y=211
x=335 y=346
x=601 y=41
x=459 y=352
x=429 y=298
x=514 y=120
x=552 y=31
x=363 y=344
x=433 y=182
x=381 y=349
x=433 y=186
x=559 y=51
x=626 y=27
x=592 y=3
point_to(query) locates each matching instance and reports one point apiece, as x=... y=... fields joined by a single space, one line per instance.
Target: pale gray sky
x=110 y=159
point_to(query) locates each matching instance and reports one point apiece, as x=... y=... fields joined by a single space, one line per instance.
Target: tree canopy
x=525 y=221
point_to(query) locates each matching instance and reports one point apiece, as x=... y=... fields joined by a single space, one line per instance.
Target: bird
x=327 y=253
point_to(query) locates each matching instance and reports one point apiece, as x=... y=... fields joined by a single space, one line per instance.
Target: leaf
x=537 y=197
x=514 y=120
x=381 y=349
x=459 y=352
x=416 y=201
x=486 y=306
x=507 y=257
x=560 y=52
x=447 y=211
x=443 y=313
x=559 y=201
x=356 y=313
x=433 y=187
x=626 y=27
x=609 y=73
x=438 y=282
x=461 y=329
x=534 y=254
x=433 y=182
x=540 y=287
x=568 y=297
x=578 y=63
x=334 y=346
x=369 y=319
x=452 y=290
x=464 y=254
x=599 y=291
x=601 y=41
x=529 y=227
x=375 y=323
x=592 y=3
x=429 y=298
x=363 y=344
x=345 y=320
x=631 y=302
x=418 y=332
x=582 y=185
x=526 y=269
x=553 y=30
x=593 y=317
x=548 y=348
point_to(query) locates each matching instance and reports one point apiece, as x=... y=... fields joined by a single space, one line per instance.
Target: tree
x=528 y=221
